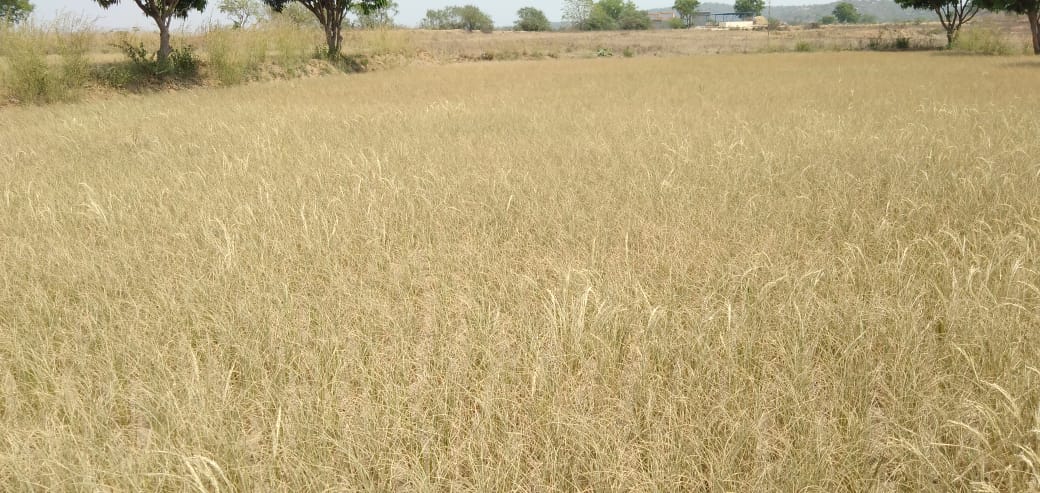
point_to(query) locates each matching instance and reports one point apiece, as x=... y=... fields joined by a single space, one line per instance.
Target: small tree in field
x=846 y=13
x=532 y=19
x=15 y=10
x=952 y=13
x=749 y=6
x=474 y=19
x=1031 y=9
x=577 y=12
x=687 y=10
x=162 y=12
x=331 y=14
x=241 y=12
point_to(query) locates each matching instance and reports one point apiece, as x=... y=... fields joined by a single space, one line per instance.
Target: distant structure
x=663 y=16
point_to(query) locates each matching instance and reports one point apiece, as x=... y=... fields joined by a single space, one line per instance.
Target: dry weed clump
x=781 y=272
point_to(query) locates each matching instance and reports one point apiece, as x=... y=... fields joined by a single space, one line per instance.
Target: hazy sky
x=503 y=12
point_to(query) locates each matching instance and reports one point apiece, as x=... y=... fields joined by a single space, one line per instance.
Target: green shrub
x=182 y=63
x=803 y=46
x=982 y=41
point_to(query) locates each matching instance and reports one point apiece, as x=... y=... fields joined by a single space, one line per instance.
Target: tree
x=532 y=19
x=162 y=12
x=1031 y=9
x=577 y=12
x=241 y=12
x=687 y=10
x=468 y=17
x=633 y=19
x=846 y=13
x=599 y=20
x=15 y=11
x=474 y=19
x=607 y=15
x=440 y=19
x=952 y=13
x=753 y=7
x=330 y=14
x=381 y=17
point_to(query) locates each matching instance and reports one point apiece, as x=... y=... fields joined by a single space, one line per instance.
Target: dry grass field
x=776 y=272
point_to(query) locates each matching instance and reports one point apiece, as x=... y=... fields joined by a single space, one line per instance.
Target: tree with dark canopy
x=330 y=14
x=162 y=12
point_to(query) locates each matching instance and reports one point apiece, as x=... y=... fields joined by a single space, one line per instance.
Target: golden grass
x=787 y=272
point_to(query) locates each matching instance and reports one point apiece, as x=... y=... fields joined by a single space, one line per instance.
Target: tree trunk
x=334 y=40
x=164 y=42
x=1034 y=27
x=951 y=35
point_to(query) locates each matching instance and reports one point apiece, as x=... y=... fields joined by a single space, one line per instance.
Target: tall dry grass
x=45 y=63
x=737 y=273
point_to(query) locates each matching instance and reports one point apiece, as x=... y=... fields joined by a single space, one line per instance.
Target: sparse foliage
x=380 y=17
x=242 y=12
x=15 y=11
x=576 y=13
x=687 y=10
x=532 y=19
x=295 y=15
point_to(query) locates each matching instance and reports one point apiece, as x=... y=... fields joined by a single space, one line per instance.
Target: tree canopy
x=381 y=17
x=687 y=10
x=241 y=12
x=15 y=10
x=607 y=15
x=846 y=13
x=749 y=6
x=577 y=12
x=532 y=19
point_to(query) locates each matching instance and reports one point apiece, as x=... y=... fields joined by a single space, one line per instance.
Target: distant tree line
x=587 y=15
x=468 y=18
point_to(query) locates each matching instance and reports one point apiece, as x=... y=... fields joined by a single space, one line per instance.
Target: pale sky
x=503 y=12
